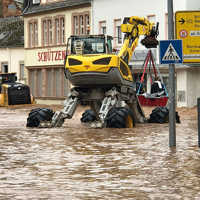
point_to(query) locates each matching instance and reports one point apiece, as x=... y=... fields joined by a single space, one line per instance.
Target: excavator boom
x=134 y=27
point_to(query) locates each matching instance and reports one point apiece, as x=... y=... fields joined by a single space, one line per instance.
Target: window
x=48 y=82
x=62 y=25
x=151 y=18
x=4 y=67
x=59 y=30
x=90 y=45
x=181 y=96
x=33 y=33
x=87 y=23
x=50 y=31
x=47 y=33
x=81 y=23
x=21 y=71
x=102 y=27
x=117 y=31
x=76 y=26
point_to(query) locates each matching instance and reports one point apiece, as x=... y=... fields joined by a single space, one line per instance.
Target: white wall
x=193 y=4
x=193 y=89
x=13 y=56
x=179 y=5
x=181 y=88
x=109 y=10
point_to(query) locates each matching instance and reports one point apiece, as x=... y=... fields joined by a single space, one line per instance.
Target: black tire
x=88 y=116
x=38 y=115
x=120 y=117
x=159 y=115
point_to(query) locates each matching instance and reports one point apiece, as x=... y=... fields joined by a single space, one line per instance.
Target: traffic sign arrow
x=182 y=21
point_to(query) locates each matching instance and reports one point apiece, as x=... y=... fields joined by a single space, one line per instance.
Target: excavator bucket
x=150 y=41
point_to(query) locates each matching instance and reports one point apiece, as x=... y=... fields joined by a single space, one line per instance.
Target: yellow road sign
x=188 y=30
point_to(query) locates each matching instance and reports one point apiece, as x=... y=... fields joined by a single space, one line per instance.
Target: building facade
x=107 y=17
x=10 y=8
x=12 y=38
x=48 y=24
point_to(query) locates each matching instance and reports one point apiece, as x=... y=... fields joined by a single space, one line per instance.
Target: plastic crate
x=155 y=101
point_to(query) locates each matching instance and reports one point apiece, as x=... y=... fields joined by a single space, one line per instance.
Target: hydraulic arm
x=133 y=28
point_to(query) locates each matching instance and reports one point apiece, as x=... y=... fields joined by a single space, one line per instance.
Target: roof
x=19 y=3
x=52 y=6
x=11 y=32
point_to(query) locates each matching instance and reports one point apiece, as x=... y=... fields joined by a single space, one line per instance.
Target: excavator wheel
x=159 y=115
x=120 y=118
x=88 y=116
x=38 y=115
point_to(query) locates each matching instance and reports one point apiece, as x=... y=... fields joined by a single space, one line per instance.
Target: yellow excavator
x=101 y=79
x=12 y=92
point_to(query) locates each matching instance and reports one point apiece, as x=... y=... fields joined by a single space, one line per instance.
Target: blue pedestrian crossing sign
x=171 y=51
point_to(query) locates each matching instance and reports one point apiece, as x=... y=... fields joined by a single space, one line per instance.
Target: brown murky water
x=75 y=162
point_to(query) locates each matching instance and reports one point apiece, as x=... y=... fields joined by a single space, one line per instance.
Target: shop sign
x=188 y=30
x=51 y=55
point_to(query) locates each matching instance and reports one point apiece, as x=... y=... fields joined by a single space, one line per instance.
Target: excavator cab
x=89 y=44
x=90 y=62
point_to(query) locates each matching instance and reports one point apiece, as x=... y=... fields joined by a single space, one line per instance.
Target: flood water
x=78 y=163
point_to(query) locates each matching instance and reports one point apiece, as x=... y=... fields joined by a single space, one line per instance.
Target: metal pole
x=172 y=110
x=198 y=111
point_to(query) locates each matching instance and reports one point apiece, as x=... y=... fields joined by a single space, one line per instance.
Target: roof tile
x=52 y=6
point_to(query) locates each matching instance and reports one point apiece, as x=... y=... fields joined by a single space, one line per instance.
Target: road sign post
x=172 y=110
x=171 y=53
